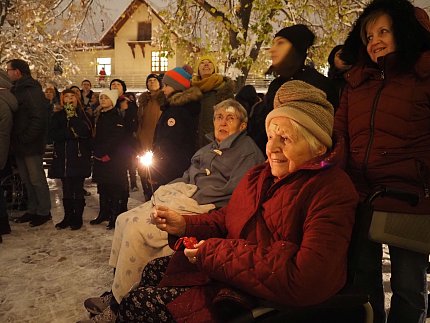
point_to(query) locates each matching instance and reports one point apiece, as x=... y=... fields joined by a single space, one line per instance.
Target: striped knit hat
x=178 y=79
x=308 y=106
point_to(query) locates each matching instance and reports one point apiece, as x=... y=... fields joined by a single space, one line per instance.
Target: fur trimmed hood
x=181 y=98
x=412 y=38
x=145 y=97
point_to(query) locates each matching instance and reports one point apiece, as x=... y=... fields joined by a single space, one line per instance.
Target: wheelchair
x=14 y=191
x=350 y=305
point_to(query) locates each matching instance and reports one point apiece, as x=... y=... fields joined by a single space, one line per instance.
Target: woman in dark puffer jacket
x=385 y=117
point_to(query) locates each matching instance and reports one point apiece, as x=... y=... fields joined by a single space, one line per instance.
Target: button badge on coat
x=171 y=122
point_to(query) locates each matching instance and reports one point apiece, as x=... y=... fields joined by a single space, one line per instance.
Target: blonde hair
x=368 y=20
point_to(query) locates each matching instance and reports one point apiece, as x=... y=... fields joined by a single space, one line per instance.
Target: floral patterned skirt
x=148 y=302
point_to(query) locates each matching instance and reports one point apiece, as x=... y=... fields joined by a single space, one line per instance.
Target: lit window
x=159 y=62
x=104 y=63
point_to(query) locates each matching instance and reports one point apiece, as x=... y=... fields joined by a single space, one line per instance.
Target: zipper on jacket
x=423 y=173
x=65 y=158
x=372 y=122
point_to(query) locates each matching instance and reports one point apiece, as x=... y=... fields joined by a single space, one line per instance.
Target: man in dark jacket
x=8 y=105
x=28 y=141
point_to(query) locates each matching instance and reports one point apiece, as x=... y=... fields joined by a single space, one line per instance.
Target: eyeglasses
x=11 y=69
x=228 y=118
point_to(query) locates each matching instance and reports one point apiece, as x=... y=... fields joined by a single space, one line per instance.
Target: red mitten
x=105 y=158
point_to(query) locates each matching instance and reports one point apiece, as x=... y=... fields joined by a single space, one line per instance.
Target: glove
x=103 y=159
x=70 y=111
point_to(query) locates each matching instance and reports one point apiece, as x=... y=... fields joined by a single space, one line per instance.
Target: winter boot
x=104 y=212
x=68 y=211
x=116 y=206
x=123 y=202
x=76 y=220
x=4 y=224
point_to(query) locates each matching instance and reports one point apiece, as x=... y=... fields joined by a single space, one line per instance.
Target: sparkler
x=146 y=160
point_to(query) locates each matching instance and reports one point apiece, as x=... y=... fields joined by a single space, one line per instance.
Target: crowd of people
x=265 y=187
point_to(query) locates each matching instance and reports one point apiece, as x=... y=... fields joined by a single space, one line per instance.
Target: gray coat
x=216 y=169
x=8 y=105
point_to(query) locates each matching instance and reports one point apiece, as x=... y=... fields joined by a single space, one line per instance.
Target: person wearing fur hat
x=8 y=105
x=288 y=52
x=287 y=224
x=128 y=110
x=149 y=111
x=176 y=131
x=109 y=170
x=385 y=117
x=71 y=130
x=215 y=88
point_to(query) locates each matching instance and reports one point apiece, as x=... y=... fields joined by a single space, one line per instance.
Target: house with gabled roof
x=126 y=50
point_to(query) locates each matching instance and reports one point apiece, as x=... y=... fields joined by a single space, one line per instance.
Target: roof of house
x=108 y=37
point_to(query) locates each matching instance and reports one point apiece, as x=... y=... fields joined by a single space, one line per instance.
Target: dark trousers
x=408 y=283
x=73 y=188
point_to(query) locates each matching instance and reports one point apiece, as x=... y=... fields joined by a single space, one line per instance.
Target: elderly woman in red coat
x=283 y=237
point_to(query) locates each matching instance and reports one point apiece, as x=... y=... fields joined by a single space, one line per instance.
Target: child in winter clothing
x=109 y=170
x=176 y=131
x=71 y=133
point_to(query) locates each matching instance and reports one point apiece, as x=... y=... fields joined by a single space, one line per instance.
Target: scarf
x=208 y=84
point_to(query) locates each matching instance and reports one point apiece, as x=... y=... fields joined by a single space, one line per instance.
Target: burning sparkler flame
x=146 y=159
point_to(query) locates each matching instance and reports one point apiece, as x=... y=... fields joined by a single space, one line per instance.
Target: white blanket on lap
x=178 y=197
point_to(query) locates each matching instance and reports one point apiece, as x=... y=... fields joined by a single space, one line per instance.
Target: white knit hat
x=111 y=94
x=306 y=105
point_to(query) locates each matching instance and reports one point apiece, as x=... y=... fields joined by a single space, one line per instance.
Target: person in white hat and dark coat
x=109 y=170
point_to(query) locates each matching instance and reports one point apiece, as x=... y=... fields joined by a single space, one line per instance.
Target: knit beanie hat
x=188 y=68
x=153 y=76
x=177 y=78
x=111 y=94
x=124 y=87
x=209 y=58
x=306 y=105
x=4 y=80
x=299 y=35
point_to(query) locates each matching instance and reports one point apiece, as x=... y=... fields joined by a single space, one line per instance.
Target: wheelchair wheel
x=14 y=191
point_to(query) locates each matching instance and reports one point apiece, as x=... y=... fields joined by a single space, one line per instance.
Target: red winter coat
x=285 y=242
x=385 y=116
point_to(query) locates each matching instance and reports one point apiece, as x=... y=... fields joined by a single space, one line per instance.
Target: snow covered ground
x=46 y=274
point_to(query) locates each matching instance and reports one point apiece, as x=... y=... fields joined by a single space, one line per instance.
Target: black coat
x=109 y=144
x=30 y=122
x=130 y=126
x=72 y=145
x=176 y=136
x=256 y=124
